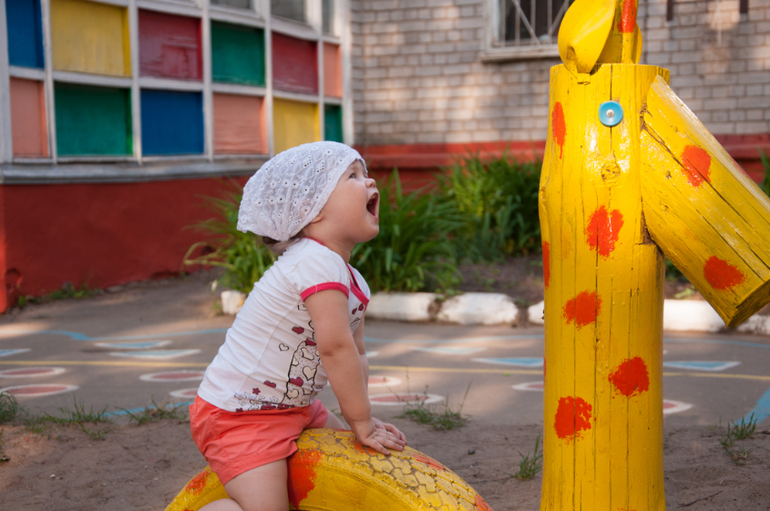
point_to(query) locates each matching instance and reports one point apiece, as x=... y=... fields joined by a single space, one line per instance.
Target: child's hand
x=389 y=427
x=379 y=439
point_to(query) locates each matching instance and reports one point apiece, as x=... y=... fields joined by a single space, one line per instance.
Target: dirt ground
x=143 y=467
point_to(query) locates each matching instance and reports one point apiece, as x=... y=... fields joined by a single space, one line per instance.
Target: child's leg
x=334 y=422
x=260 y=489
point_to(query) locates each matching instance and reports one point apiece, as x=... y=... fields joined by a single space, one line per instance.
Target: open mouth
x=373 y=205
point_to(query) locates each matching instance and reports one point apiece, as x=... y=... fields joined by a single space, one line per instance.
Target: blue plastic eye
x=610 y=113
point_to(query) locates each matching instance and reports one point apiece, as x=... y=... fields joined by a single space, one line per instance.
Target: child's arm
x=341 y=358
x=358 y=337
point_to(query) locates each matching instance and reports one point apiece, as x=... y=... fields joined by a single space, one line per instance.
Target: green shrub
x=766 y=180
x=413 y=251
x=499 y=201
x=241 y=254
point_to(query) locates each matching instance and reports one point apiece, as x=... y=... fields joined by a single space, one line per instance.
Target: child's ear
x=318 y=218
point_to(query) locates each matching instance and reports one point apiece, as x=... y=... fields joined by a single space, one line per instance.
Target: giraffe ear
x=612 y=51
x=584 y=32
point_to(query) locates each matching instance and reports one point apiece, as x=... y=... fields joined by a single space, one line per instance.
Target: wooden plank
x=704 y=212
x=90 y=37
x=294 y=123
x=172 y=122
x=295 y=64
x=92 y=120
x=239 y=124
x=30 y=137
x=169 y=46
x=238 y=54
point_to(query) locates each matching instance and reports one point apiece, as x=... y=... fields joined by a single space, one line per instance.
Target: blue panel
x=172 y=122
x=25 y=33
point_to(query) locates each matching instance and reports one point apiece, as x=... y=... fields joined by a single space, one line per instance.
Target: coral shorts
x=236 y=442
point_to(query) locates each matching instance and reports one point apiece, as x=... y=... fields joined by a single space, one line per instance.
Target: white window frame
x=496 y=50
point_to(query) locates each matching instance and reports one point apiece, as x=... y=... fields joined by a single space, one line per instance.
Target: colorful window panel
x=172 y=122
x=25 y=33
x=294 y=123
x=289 y=9
x=332 y=71
x=169 y=46
x=237 y=54
x=295 y=64
x=333 y=123
x=90 y=37
x=92 y=120
x=28 y=119
x=239 y=124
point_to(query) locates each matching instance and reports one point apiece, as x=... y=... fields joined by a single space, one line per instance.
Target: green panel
x=237 y=54
x=92 y=120
x=333 y=123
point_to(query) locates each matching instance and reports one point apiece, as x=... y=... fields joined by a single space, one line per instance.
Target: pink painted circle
x=39 y=390
x=30 y=372
x=383 y=381
x=173 y=376
x=535 y=386
x=396 y=399
x=185 y=393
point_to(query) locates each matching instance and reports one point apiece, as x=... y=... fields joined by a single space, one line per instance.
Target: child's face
x=354 y=205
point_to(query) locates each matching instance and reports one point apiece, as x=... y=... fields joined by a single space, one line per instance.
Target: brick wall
x=418 y=77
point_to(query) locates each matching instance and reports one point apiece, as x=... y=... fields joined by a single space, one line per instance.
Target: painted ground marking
x=451 y=350
x=670 y=406
x=31 y=372
x=184 y=393
x=383 y=381
x=156 y=354
x=520 y=361
x=761 y=411
x=39 y=390
x=133 y=345
x=8 y=353
x=534 y=386
x=701 y=365
x=399 y=399
x=173 y=376
x=372 y=354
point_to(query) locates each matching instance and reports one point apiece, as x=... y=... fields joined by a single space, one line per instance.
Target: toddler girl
x=302 y=323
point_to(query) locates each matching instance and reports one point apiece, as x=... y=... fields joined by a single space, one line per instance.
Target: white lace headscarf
x=292 y=187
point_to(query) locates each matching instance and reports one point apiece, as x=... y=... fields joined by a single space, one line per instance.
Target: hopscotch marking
x=38 y=390
x=383 y=381
x=31 y=372
x=157 y=354
x=520 y=362
x=9 y=353
x=133 y=345
x=401 y=399
x=701 y=365
x=452 y=350
x=174 y=376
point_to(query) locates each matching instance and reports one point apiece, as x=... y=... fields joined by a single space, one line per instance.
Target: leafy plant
x=78 y=415
x=500 y=201
x=444 y=419
x=156 y=412
x=530 y=464
x=738 y=431
x=9 y=407
x=413 y=251
x=244 y=259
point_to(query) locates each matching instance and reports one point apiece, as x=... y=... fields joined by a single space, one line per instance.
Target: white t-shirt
x=270 y=359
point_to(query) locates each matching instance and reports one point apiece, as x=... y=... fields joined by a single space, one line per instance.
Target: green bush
x=499 y=201
x=413 y=251
x=242 y=255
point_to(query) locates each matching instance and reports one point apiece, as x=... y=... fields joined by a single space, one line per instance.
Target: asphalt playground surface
x=151 y=342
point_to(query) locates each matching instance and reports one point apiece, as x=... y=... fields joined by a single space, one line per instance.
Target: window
x=327 y=16
x=525 y=28
x=289 y=9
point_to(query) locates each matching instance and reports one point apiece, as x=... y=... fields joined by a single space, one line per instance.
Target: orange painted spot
x=428 y=461
x=558 y=126
x=696 y=163
x=573 y=415
x=631 y=377
x=721 y=274
x=603 y=230
x=546 y=263
x=358 y=446
x=627 y=21
x=583 y=309
x=302 y=475
x=481 y=504
x=198 y=483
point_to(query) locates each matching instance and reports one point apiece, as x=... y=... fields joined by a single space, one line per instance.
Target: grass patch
x=78 y=415
x=531 y=463
x=157 y=412
x=738 y=431
x=441 y=417
x=10 y=408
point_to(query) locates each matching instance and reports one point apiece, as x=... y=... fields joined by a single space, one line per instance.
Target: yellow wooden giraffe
x=629 y=172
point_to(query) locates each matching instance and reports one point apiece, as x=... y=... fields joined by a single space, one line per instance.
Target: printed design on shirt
x=283 y=347
x=302 y=373
x=253 y=401
x=354 y=324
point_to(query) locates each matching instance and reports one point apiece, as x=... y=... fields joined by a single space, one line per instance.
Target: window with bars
x=528 y=23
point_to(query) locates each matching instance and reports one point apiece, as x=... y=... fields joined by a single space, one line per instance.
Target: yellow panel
x=294 y=123
x=89 y=37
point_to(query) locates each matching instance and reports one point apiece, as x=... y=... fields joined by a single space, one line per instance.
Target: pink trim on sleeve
x=357 y=289
x=323 y=287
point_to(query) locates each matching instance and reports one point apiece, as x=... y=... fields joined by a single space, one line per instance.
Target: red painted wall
x=97 y=235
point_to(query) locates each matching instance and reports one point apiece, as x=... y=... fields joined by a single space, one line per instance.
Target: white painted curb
x=232 y=301
x=402 y=306
x=479 y=309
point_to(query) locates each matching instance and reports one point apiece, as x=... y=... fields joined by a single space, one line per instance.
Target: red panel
x=295 y=64
x=169 y=46
x=98 y=235
x=239 y=125
x=30 y=136
x=332 y=71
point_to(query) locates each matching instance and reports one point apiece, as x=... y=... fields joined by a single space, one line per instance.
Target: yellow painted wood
x=701 y=208
x=90 y=37
x=294 y=123
x=597 y=246
x=583 y=33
